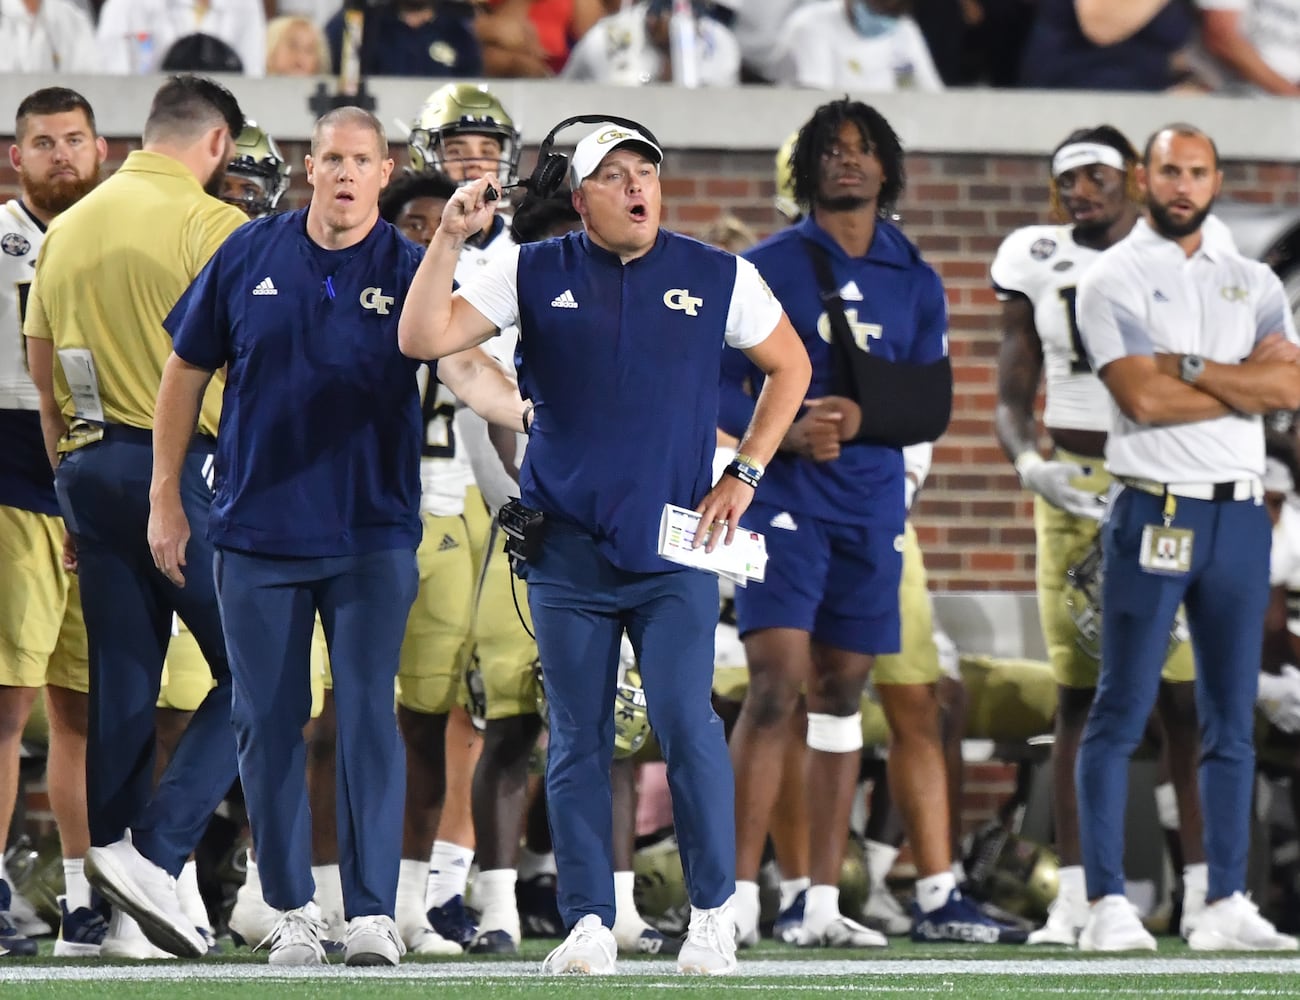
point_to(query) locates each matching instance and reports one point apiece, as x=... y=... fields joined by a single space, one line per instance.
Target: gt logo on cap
x=682 y=300
x=612 y=135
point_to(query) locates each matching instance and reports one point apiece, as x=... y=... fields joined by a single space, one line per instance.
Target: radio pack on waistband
x=524 y=530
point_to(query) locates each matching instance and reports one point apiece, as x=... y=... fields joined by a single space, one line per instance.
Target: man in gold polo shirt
x=110 y=270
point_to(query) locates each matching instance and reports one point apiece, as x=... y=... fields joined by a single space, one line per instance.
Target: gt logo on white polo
x=682 y=300
x=374 y=298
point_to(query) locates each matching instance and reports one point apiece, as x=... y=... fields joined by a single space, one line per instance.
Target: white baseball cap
x=602 y=141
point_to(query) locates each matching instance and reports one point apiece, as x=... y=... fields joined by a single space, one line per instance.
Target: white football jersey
x=445 y=472
x=1044 y=264
x=1284 y=560
x=20 y=241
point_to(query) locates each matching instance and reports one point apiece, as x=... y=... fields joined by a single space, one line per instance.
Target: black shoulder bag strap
x=842 y=346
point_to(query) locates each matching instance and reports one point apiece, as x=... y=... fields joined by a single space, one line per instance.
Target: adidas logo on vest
x=266 y=287
x=564 y=301
x=447 y=543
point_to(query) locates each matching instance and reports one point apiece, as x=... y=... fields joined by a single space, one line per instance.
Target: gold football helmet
x=785 y=202
x=466 y=109
x=631 y=717
x=258 y=159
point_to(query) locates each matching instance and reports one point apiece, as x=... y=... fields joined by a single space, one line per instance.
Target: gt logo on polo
x=374 y=298
x=682 y=300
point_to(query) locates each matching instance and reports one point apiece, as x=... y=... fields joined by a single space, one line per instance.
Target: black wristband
x=743 y=473
x=527 y=417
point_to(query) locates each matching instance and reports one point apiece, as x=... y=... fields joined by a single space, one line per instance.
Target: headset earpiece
x=551 y=167
x=549 y=175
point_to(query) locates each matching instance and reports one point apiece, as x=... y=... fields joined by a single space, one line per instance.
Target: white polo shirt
x=1145 y=296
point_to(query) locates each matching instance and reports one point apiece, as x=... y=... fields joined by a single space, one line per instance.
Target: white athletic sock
x=4 y=872
x=532 y=864
x=494 y=898
x=790 y=889
x=821 y=907
x=933 y=891
x=958 y=871
x=412 y=881
x=76 y=890
x=880 y=861
x=329 y=897
x=187 y=890
x=448 y=872
x=1196 y=878
x=1071 y=883
x=625 y=910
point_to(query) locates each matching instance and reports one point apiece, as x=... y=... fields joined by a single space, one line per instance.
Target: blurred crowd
x=1234 y=46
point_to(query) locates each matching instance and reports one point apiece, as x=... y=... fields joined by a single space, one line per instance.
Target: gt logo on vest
x=682 y=300
x=374 y=298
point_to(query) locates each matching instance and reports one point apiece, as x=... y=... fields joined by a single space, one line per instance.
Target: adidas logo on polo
x=266 y=287
x=447 y=543
x=564 y=301
x=784 y=520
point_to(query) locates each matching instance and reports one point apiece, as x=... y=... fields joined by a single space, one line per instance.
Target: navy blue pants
x=269 y=606
x=581 y=604
x=1225 y=595
x=104 y=496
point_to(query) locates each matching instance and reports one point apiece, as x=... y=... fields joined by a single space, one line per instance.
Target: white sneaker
x=841 y=932
x=1065 y=919
x=1234 y=924
x=885 y=913
x=25 y=918
x=252 y=919
x=373 y=940
x=710 y=946
x=125 y=939
x=421 y=939
x=589 y=950
x=1113 y=925
x=127 y=879
x=1193 y=907
x=296 y=937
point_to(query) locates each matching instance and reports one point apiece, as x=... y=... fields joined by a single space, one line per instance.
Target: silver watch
x=1191 y=367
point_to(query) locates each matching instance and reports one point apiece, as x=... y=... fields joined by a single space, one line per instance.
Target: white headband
x=1079 y=154
x=1277 y=477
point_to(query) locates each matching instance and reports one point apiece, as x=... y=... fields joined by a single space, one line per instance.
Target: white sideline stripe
x=16 y=971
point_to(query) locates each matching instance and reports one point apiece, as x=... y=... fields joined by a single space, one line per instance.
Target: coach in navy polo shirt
x=621 y=334
x=316 y=509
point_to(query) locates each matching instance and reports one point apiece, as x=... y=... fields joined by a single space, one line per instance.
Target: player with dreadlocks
x=1095 y=198
x=832 y=504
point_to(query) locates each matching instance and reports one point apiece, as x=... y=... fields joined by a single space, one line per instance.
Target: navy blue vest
x=622 y=363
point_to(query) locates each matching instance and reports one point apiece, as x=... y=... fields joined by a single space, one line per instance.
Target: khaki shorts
x=917 y=661
x=42 y=633
x=429 y=676
x=505 y=656
x=186 y=677
x=1062 y=540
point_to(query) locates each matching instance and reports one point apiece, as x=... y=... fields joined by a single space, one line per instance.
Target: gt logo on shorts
x=374 y=298
x=682 y=300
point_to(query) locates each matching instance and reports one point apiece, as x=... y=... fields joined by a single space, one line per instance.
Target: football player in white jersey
x=1035 y=274
x=463 y=133
x=57 y=155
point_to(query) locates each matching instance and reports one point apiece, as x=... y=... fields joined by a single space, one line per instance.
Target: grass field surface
x=905 y=970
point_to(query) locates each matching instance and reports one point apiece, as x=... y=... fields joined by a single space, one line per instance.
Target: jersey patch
x=15 y=244
x=1042 y=249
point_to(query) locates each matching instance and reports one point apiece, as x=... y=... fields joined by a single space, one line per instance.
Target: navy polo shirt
x=318 y=449
x=895 y=304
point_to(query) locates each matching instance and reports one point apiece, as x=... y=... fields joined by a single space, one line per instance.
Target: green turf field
x=904 y=970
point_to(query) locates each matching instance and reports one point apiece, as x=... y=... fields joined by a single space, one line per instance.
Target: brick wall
x=974 y=523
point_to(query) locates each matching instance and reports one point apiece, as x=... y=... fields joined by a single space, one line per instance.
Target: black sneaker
x=452 y=921
x=539 y=908
x=11 y=942
x=959 y=919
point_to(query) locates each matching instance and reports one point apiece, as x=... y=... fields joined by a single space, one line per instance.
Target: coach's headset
x=551 y=168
